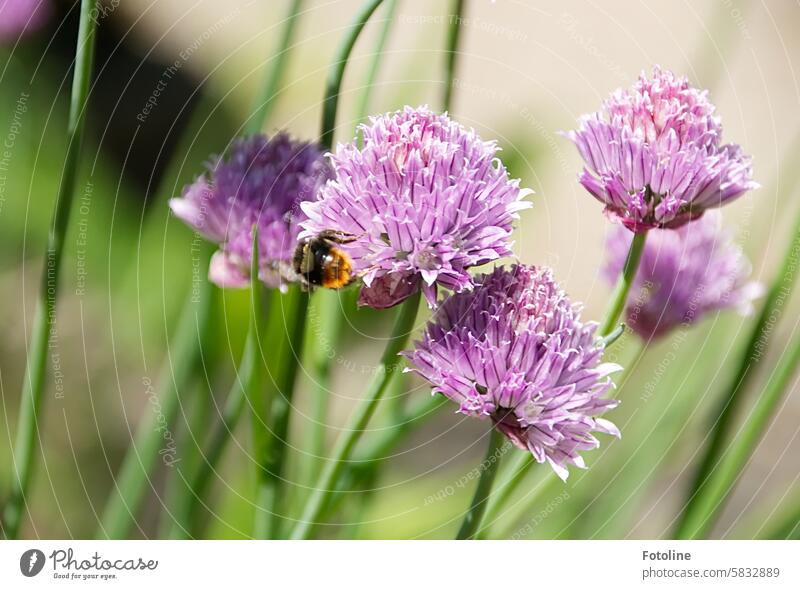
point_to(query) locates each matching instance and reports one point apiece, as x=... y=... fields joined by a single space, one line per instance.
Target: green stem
x=510 y=481
x=266 y=98
x=390 y=360
x=705 y=506
x=372 y=70
x=325 y=326
x=44 y=322
x=623 y=287
x=612 y=337
x=178 y=495
x=134 y=475
x=451 y=55
x=221 y=433
x=271 y=493
x=722 y=418
x=546 y=482
x=202 y=478
x=333 y=86
x=364 y=468
x=271 y=486
x=488 y=468
x=381 y=446
x=328 y=306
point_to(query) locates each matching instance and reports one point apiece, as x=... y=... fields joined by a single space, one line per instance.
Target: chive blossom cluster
x=515 y=351
x=654 y=155
x=425 y=199
x=261 y=182
x=685 y=274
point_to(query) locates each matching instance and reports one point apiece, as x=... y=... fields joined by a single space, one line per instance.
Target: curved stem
x=327 y=308
x=266 y=97
x=704 y=507
x=723 y=417
x=372 y=71
x=319 y=497
x=623 y=287
x=612 y=337
x=334 y=84
x=488 y=469
x=44 y=322
x=453 y=36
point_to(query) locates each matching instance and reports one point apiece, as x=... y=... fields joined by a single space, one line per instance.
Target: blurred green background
x=526 y=71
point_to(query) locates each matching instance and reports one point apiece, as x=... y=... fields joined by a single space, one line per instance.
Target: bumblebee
x=319 y=262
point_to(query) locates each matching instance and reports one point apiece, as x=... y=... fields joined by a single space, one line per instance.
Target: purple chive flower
x=425 y=198
x=684 y=275
x=261 y=182
x=514 y=350
x=654 y=155
x=18 y=17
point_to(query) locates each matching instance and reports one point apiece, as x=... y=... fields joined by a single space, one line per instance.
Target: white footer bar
x=406 y=565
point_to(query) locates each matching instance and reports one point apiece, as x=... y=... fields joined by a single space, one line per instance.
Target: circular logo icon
x=31 y=562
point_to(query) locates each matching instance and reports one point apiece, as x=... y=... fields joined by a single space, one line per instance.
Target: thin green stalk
x=722 y=419
x=488 y=469
x=328 y=306
x=201 y=479
x=44 y=322
x=613 y=336
x=248 y=386
x=546 y=481
x=623 y=287
x=389 y=363
x=509 y=482
x=336 y=74
x=266 y=97
x=325 y=326
x=271 y=487
x=221 y=433
x=451 y=55
x=177 y=494
x=252 y=362
x=379 y=448
x=120 y=512
x=364 y=467
x=704 y=507
x=372 y=70
x=271 y=494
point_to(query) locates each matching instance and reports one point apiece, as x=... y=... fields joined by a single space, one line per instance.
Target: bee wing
x=337 y=236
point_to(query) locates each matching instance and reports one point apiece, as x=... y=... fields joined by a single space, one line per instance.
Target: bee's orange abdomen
x=338 y=271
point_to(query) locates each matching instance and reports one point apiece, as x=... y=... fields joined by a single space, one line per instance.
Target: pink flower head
x=654 y=155
x=425 y=198
x=684 y=275
x=514 y=350
x=261 y=182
